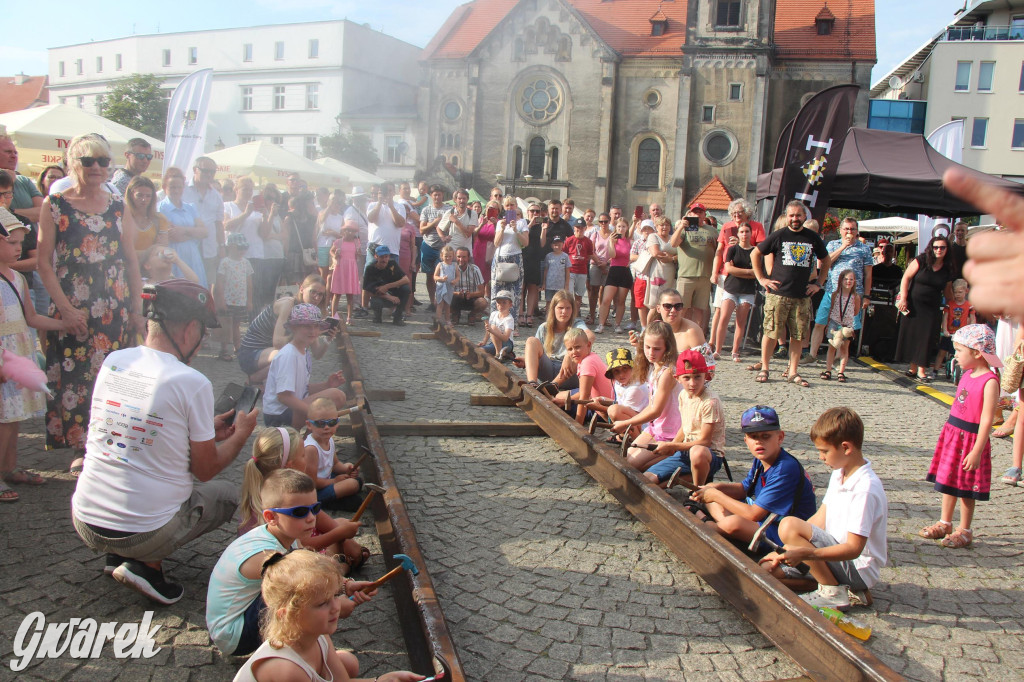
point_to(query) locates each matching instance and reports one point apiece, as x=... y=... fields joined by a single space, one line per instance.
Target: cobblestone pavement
x=44 y=566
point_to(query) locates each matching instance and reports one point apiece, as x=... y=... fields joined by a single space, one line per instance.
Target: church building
x=630 y=101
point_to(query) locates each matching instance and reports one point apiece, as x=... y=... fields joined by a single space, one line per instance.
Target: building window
x=728 y=13
x=63 y=100
x=901 y=116
x=963 y=77
x=279 y=50
x=60 y=71
x=540 y=101
x=985 y=71
x=978 y=132
x=452 y=111
x=247 y=99
x=278 y=97
x=313 y=96
x=117 y=62
x=247 y=52
x=99 y=64
x=393 y=149
x=246 y=139
x=454 y=161
x=1017 y=27
x=277 y=139
x=310 y=147
x=81 y=102
x=535 y=161
x=99 y=104
x=166 y=58
x=553 y=165
x=193 y=55
x=658 y=27
x=735 y=92
x=314 y=48
x=719 y=147
x=517 y=161
x=78 y=67
x=707 y=114
x=652 y=98
x=648 y=163
x=1020 y=85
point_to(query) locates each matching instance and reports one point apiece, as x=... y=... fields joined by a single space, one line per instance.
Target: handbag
x=506 y=272
x=1013 y=371
x=309 y=258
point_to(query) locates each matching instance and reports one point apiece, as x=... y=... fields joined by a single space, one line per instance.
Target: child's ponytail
x=269 y=453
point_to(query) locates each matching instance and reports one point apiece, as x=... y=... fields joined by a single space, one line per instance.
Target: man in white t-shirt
x=457 y=226
x=387 y=218
x=151 y=431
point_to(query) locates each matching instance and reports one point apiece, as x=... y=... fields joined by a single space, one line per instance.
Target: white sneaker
x=629 y=326
x=599 y=329
x=831 y=596
x=618 y=329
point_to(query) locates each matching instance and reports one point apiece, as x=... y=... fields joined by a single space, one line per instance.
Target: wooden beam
x=463 y=429
x=491 y=401
x=423 y=336
x=384 y=395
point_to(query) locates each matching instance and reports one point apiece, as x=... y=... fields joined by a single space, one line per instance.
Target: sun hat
x=698 y=365
x=620 y=357
x=758 y=419
x=357 y=192
x=504 y=293
x=238 y=239
x=304 y=314
x=981 y=338
x=8 y=222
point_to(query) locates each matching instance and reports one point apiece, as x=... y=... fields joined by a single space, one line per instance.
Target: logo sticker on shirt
x=796 y=254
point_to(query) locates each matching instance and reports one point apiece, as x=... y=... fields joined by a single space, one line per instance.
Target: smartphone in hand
x=638 y=213
x=492 y=213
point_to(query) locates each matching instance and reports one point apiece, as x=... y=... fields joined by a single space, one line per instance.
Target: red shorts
x=639 y=291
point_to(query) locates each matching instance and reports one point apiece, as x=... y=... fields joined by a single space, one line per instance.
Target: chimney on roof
x=20 y=79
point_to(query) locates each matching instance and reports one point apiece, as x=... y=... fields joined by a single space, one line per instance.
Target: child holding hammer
x=337 y=483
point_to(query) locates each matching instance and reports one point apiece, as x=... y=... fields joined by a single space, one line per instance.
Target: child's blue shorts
x=681 y=460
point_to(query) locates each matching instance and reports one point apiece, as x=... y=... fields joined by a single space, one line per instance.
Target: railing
x=961 y=33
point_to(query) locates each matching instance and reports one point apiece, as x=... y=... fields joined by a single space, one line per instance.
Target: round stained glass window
x=452 y=111
x=719 y=147
x=540 y=100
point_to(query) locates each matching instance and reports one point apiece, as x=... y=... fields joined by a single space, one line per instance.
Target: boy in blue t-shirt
x=776 y=483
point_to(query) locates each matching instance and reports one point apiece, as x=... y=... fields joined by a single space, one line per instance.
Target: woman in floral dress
x=88 y=263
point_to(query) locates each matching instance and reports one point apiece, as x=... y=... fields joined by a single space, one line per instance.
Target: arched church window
x=554 y=163
x=517 y=161
x=535 y=164
x=648 y=163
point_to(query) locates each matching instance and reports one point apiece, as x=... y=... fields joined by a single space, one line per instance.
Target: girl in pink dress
x=962 y=464
x=346 y=278
x=483 y=241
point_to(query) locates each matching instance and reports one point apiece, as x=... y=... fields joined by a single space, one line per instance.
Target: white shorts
x=578 y=283
x=738 y=299
x=719 y=292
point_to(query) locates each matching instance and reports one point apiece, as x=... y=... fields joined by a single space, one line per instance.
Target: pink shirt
x=593 y=366
x=621 y=255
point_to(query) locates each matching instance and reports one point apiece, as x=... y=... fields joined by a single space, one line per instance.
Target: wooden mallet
x=373 y=488
x=406 y=565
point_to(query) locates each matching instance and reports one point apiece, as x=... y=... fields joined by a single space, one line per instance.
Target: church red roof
x=714 y=195
x=852 y=37
x=31 y=92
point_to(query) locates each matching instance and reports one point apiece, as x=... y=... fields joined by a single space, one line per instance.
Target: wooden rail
x=823 y=650
x=427 y=638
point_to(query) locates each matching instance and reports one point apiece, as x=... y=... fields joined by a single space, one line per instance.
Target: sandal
x=7 y=494
x=357 y=563
x=1003 y=431
x=937 y=530
x=762 y=377
x=756 y=367
x=799 y=381
x=20 y=476
x=826 y=375
x=958 y=539
x=735 y=357
x=226 y=356
x=841 y=378
x=910 y=374
x=77 y=466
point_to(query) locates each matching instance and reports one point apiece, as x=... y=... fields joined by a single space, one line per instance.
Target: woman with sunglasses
x=88 y=263
x=601 y=236
x=47 y=177
x=925 y=281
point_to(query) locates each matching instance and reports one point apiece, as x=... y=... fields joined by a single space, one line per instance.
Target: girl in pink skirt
x=347 y=278
x=962 y=464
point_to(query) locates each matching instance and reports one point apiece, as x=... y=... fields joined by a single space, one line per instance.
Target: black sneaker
x=398 y=322
x=148 y=581
x=112 y=562
x=431 y=308
x=360 y=313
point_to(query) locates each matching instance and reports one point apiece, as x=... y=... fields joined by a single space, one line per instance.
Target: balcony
x=974 y=33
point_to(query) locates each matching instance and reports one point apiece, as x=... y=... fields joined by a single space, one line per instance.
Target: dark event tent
x=881 y=170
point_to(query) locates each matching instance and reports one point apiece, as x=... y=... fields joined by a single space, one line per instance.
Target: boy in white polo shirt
x=844 y=543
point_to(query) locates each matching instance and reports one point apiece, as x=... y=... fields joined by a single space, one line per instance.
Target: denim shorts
x=844 y=572
x=681 y=460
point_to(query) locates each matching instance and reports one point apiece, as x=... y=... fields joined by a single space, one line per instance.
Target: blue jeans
x=489 y=347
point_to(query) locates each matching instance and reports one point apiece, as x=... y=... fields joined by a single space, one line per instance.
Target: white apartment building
x=285 y=83
x=973 y=69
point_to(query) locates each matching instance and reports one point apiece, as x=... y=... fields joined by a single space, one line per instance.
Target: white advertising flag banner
x=186 y=120
x=948 y=140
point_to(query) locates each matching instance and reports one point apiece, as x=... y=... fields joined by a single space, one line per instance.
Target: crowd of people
x=116 y=284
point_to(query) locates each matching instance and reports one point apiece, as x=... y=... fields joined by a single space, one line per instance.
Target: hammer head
x=374 y=487
x=407 y=563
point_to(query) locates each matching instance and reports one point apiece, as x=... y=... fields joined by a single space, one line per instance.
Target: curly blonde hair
x=298 y=579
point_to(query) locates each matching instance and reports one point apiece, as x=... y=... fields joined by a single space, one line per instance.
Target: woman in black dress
x=925 y=281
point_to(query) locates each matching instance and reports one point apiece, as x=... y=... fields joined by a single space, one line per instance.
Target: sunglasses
x=603 y=222
x=8 y=194
x=300 y=512
x=141 y=156
x=673 y=306
x=322 y=423
x=89 y=161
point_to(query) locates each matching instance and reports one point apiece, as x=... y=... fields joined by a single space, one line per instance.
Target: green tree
x=139 y=103
x=351 y=147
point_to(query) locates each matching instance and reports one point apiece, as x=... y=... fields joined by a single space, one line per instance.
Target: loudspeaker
x=881 y=331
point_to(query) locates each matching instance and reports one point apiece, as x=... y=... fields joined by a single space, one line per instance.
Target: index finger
x=1004 y=205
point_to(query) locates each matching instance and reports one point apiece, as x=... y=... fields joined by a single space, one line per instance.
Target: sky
x=901 y=25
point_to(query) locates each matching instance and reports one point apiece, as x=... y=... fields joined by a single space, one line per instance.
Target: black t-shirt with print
x=794 y=257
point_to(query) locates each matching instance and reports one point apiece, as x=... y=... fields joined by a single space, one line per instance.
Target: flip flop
x=77 y=467
x=20 y=476
x=7 y=493
x=799 y=381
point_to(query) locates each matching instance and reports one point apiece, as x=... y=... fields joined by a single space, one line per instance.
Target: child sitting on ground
x=698 y=448
x=234 y=607
x=276 y=448
x=955 y=314
x=232 y=291
x=845 y=308
x=775 y=484
x=337 y=482
x=656 y=366
x=844 y=543
x=289 y=393
x=592 y=373
x=305 y=597
x=630 y=394
x=499 y=327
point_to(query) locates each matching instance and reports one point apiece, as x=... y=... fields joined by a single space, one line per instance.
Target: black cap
x=179 y=300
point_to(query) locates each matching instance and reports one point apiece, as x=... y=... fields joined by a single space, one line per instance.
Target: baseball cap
x=180 y=300
x=304 y=314
x=758 y=419
x=981 y=338
x=556 y=239
x=696 y=360
x=505 y=294
x=579 y=222
x=647 y=223
x=238 y=239
x=382 y=250
x=698 y=207
x=620 y=357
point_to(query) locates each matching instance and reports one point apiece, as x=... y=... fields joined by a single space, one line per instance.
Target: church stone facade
x=629 y=101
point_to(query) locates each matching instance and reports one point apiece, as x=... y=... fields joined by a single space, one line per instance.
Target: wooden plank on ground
x=491 y=401
x=423 y=336
x=369 y=333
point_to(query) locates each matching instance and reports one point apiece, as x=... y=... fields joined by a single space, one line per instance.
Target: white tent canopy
x=42 y=136
x=355 y=176
x=893 y=225
x=266 y=162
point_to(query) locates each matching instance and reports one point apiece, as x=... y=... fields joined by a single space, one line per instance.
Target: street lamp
x=500 y=177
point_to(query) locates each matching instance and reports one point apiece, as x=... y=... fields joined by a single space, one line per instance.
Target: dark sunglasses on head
x=322 y=423
x=142 y=156
x=673 y=306
x=88 y=161
x=299 y=512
